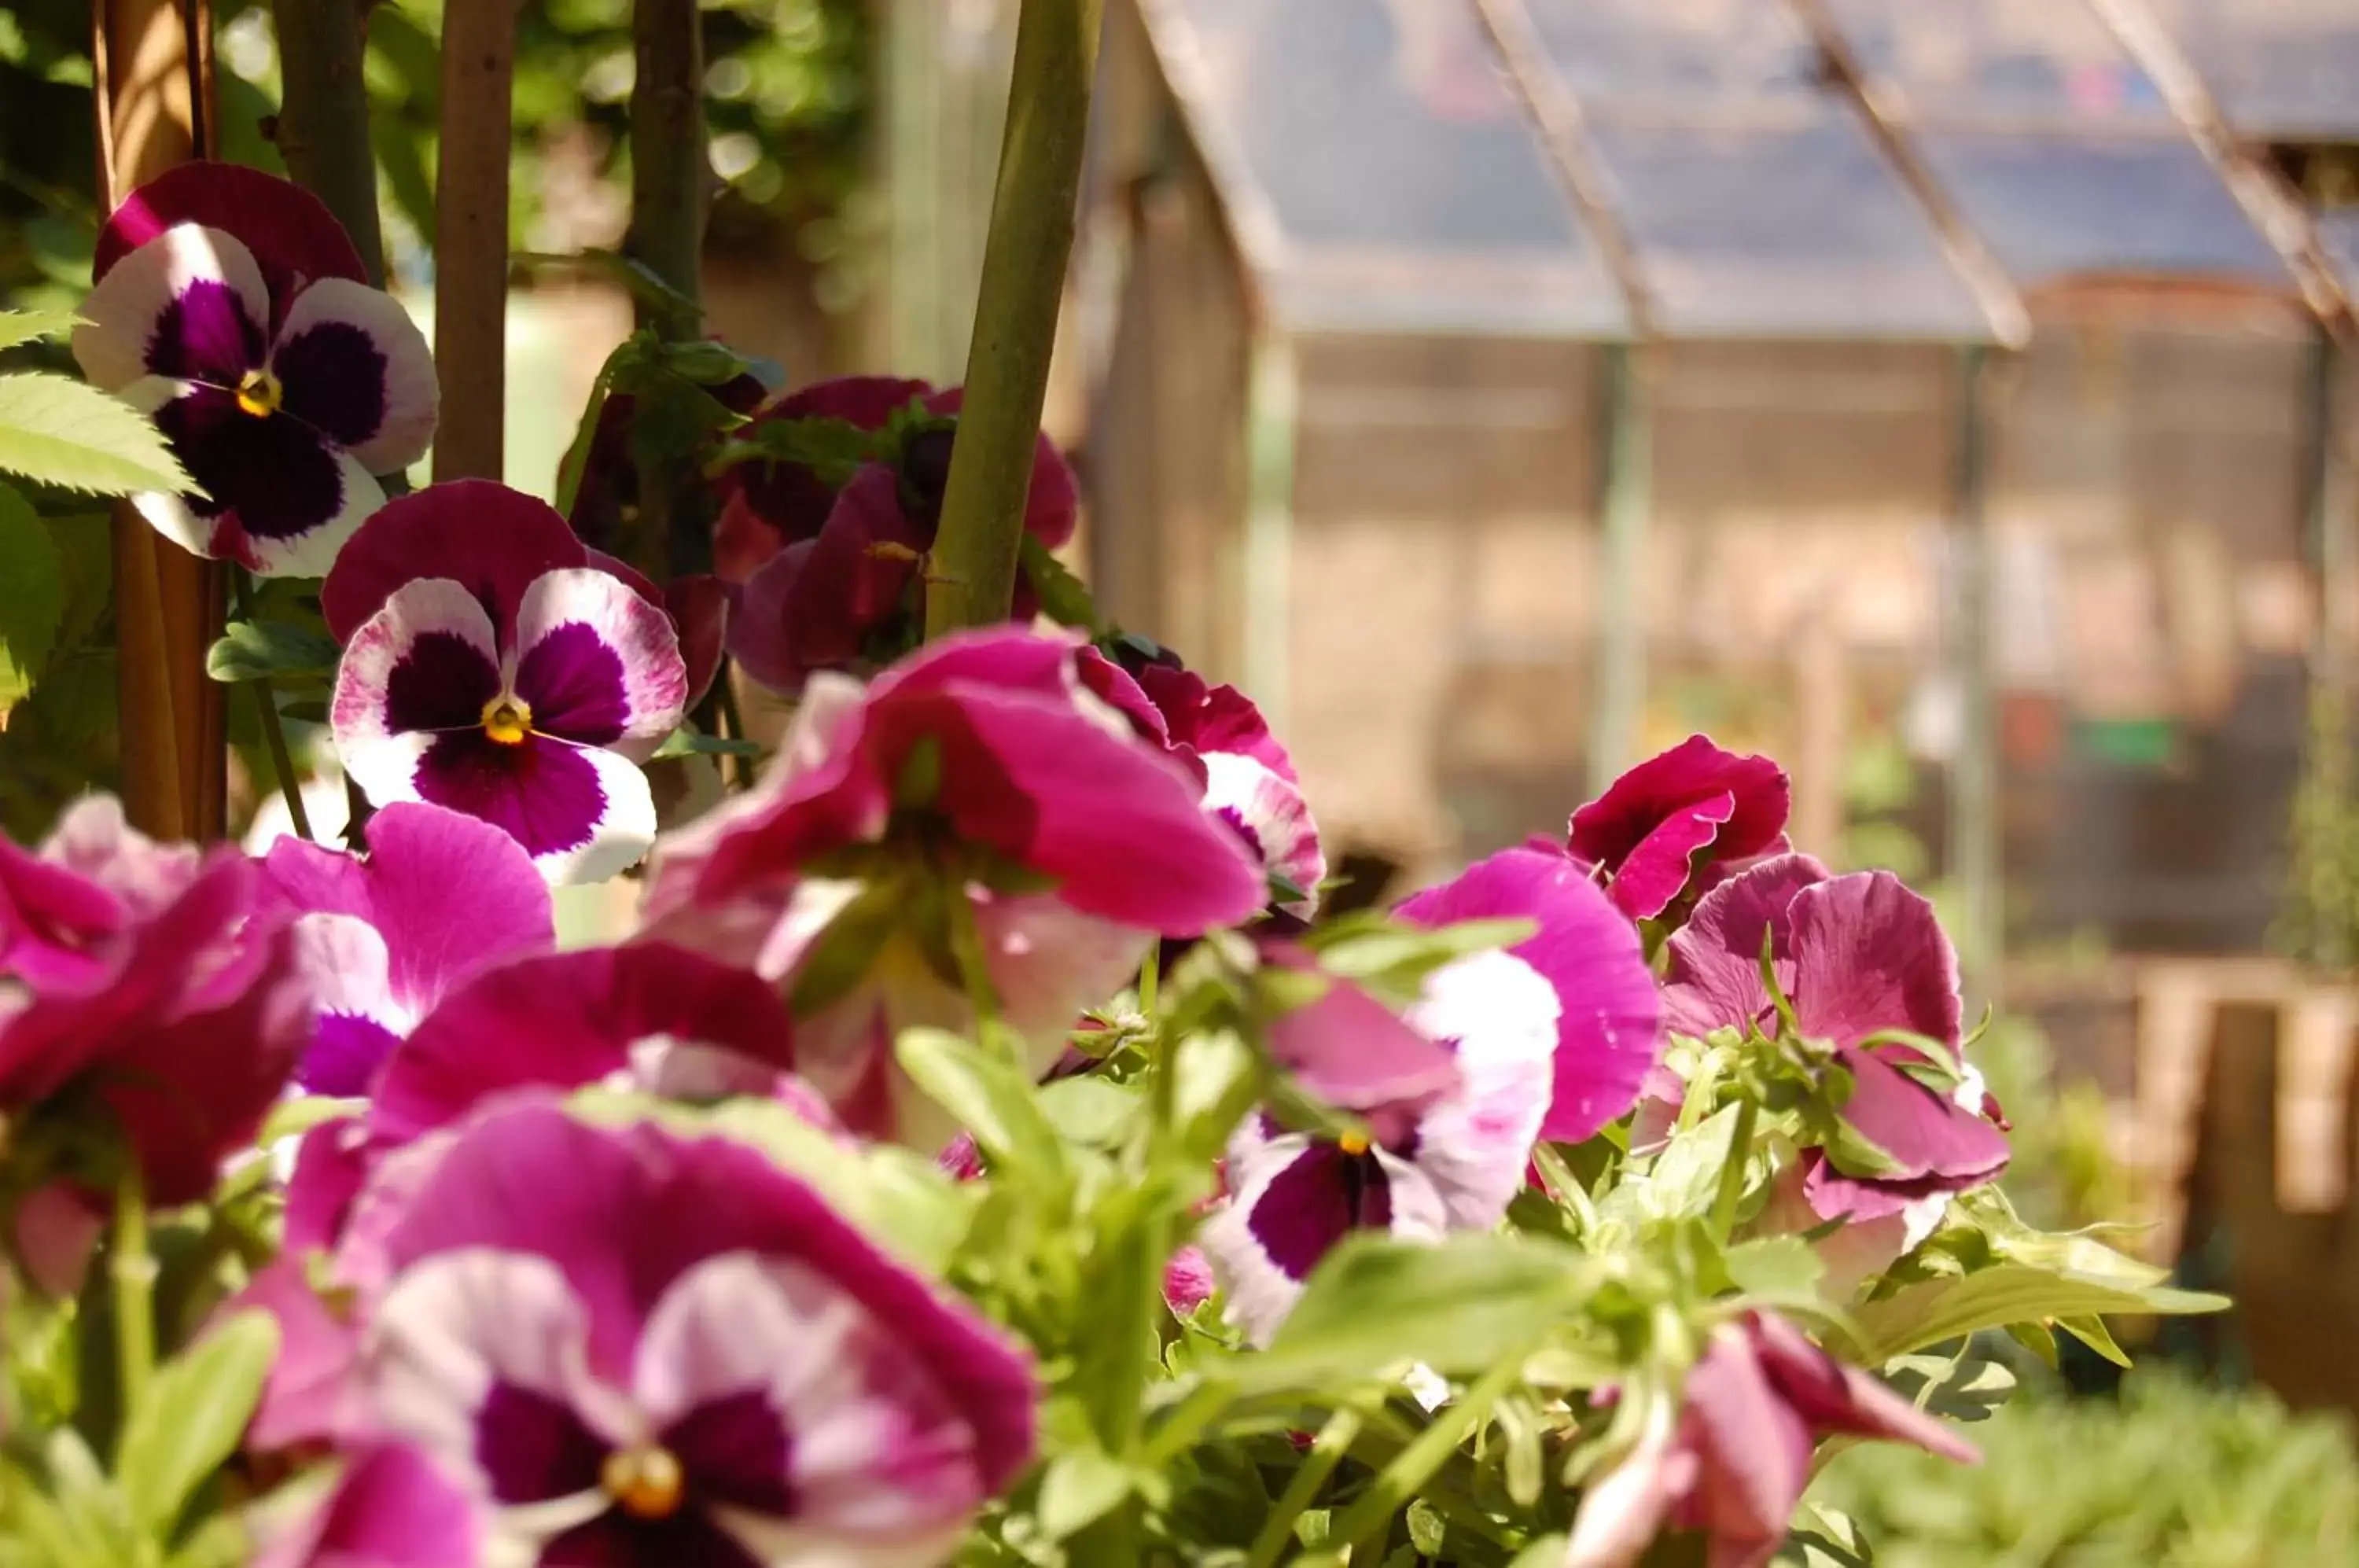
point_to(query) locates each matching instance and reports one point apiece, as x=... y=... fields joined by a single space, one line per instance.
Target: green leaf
x=1966 y=1388
x=57 y=431
x=194 y=1412
x=987 y=1097
x=686 y=741
x=2092 y=1332
x=32 y=598
x=257 y=650
x=1375 y=1303
x=1080 y=1488
x=1940 y=1309
x=833 y=450
x=1398 y=955
x=576 y=460
x=1776 y=1266
x=1090 y=1110
x=1836 y=1543
x=294 y=1117
x=1543 y=1552
x=28 y=326
x=645 y=286
x=1685 y=1177
x=1064 y=598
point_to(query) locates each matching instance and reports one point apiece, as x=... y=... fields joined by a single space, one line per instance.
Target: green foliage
x=32 y=598
x=2175 y=1474
x=58 y=431
x=259 y=650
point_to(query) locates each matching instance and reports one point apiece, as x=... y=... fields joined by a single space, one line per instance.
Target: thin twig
x=274 y=734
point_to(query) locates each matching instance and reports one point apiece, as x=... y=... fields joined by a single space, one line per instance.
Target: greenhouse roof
x=1901 y=169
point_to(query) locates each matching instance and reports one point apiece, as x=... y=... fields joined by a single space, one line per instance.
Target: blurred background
x=1947 y=396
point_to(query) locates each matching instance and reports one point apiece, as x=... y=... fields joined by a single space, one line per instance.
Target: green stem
x=133 y=1269
x=1327 y=1451
x=972 y=576
x=1190 y=1419
x=274 y=734
x=1414 y=1465
x=1732 y=1175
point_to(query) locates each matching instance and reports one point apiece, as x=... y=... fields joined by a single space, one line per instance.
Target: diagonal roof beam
x=1564 y=131
x=2264 y=194
x=2000 y=300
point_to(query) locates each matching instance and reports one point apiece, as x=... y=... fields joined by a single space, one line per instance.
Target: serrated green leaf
x=1064 y=598
x=1941 y=1310
x=258 y=650
x=1375 y=1303
x=30 y=326
x=32 y=598
x=193 y=1414
x=57 y=431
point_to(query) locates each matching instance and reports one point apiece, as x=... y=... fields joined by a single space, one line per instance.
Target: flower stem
x=1414 y=1465
x=1024 y=261
x=1327 y=1451
x=1732 y=1175
x=274 y=735
x=133 y=1269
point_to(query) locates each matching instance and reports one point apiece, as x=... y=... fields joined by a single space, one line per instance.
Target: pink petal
x=1868 y=955
x=699 y=608
x=571 y=1019
x=493 y=540
x=1214 y=718
x=1655 y=872
x=1052 y=506
x=1607 y=830
x=1937 y=1145
x=313 y=1392
x=390 y=1509
x=789 y=502
x=1714 y=976
x=1753 y=1452
x=1609 y=1026
x=1835 y=1396
x=418 y=855
x=1350 y=1049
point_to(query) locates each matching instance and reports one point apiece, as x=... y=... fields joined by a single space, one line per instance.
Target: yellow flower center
x=645 y=1483
x=1352 y=1143
x=507 y=720
x=260 y=394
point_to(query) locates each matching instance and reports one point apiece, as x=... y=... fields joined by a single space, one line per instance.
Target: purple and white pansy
x=653 y=1350
x=283 y=392
x=385 y=939
x=526 y=699
x=1551 y=1038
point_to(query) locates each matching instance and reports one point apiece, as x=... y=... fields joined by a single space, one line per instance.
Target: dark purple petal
x=734 y=1450
x=289 y=230
x=532 y=1447
x=205 y=335
x=346 y=1051
x=574 y=683
x=493 y=540
x=441 y=684
x=1317 y=1201
x=334 y=374
x=543 y=793
x=1714 y=980
x=1869 y=956
x=614 y=1540
x=275 y=477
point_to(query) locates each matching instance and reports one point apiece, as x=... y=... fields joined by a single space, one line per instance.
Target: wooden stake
x=152 y=89
x=470 y=239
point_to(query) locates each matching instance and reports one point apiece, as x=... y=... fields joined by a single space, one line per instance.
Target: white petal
x=312 y=552
x=1257 y=1293
x=1241 y=789
x=412 y=396
x=624 y=831
x=428 y=606
x=350 y=972
x=455 y=1324
x=120 y=313
x=1476 y=1144
x=655 y=681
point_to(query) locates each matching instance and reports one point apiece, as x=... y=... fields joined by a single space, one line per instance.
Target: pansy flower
x=1693 y=808
x=1249 y=781
x=282 y=389
x=1551 y=1038
x=1857 y=956
x=487 y=670
x=974 y=795
x=839 y=593
x=160 y=1002
x=383 y=938
x=652 y=1350
x=1733 y=1459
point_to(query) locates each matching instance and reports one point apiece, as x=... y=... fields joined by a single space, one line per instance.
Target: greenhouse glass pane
x=1794 y=231
x=2051 y=208
x=1990 y=61
x=1399 y=175
x=2285 y=69
x=1675 y=54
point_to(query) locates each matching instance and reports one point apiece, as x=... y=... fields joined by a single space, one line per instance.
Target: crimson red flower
x=1676 y=814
